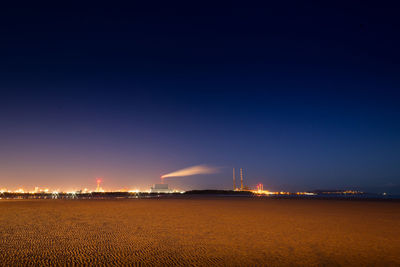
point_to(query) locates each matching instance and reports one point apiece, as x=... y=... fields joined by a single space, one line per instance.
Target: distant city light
x=134 y=191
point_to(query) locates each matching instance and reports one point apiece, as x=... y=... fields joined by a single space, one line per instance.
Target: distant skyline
x=302 y=96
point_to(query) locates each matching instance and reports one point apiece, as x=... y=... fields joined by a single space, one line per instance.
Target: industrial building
x=160 y=188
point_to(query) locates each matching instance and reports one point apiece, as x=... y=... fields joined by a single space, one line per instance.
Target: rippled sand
x=218 y=231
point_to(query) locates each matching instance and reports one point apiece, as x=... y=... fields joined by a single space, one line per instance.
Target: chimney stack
x=234 y=179
x=241 y=179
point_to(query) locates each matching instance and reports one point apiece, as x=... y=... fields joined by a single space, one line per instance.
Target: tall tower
x=234 y=179
x=241 y=179
x=98 y=189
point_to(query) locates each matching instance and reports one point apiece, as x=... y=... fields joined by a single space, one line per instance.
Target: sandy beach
x=200 y=231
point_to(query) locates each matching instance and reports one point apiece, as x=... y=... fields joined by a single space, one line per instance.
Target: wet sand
x=200 y=231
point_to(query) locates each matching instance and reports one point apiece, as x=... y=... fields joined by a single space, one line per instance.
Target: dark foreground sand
x=218 y=231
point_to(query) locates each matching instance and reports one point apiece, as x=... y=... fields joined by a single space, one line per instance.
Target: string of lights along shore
x=164 y=188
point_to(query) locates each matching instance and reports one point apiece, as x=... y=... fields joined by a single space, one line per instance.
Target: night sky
x=301 y=95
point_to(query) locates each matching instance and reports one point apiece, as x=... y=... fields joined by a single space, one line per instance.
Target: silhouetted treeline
x=218 y=192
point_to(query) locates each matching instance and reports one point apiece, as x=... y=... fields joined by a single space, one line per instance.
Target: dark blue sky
x=301 y=95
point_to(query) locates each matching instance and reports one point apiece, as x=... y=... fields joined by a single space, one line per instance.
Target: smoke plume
x=199 y=169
